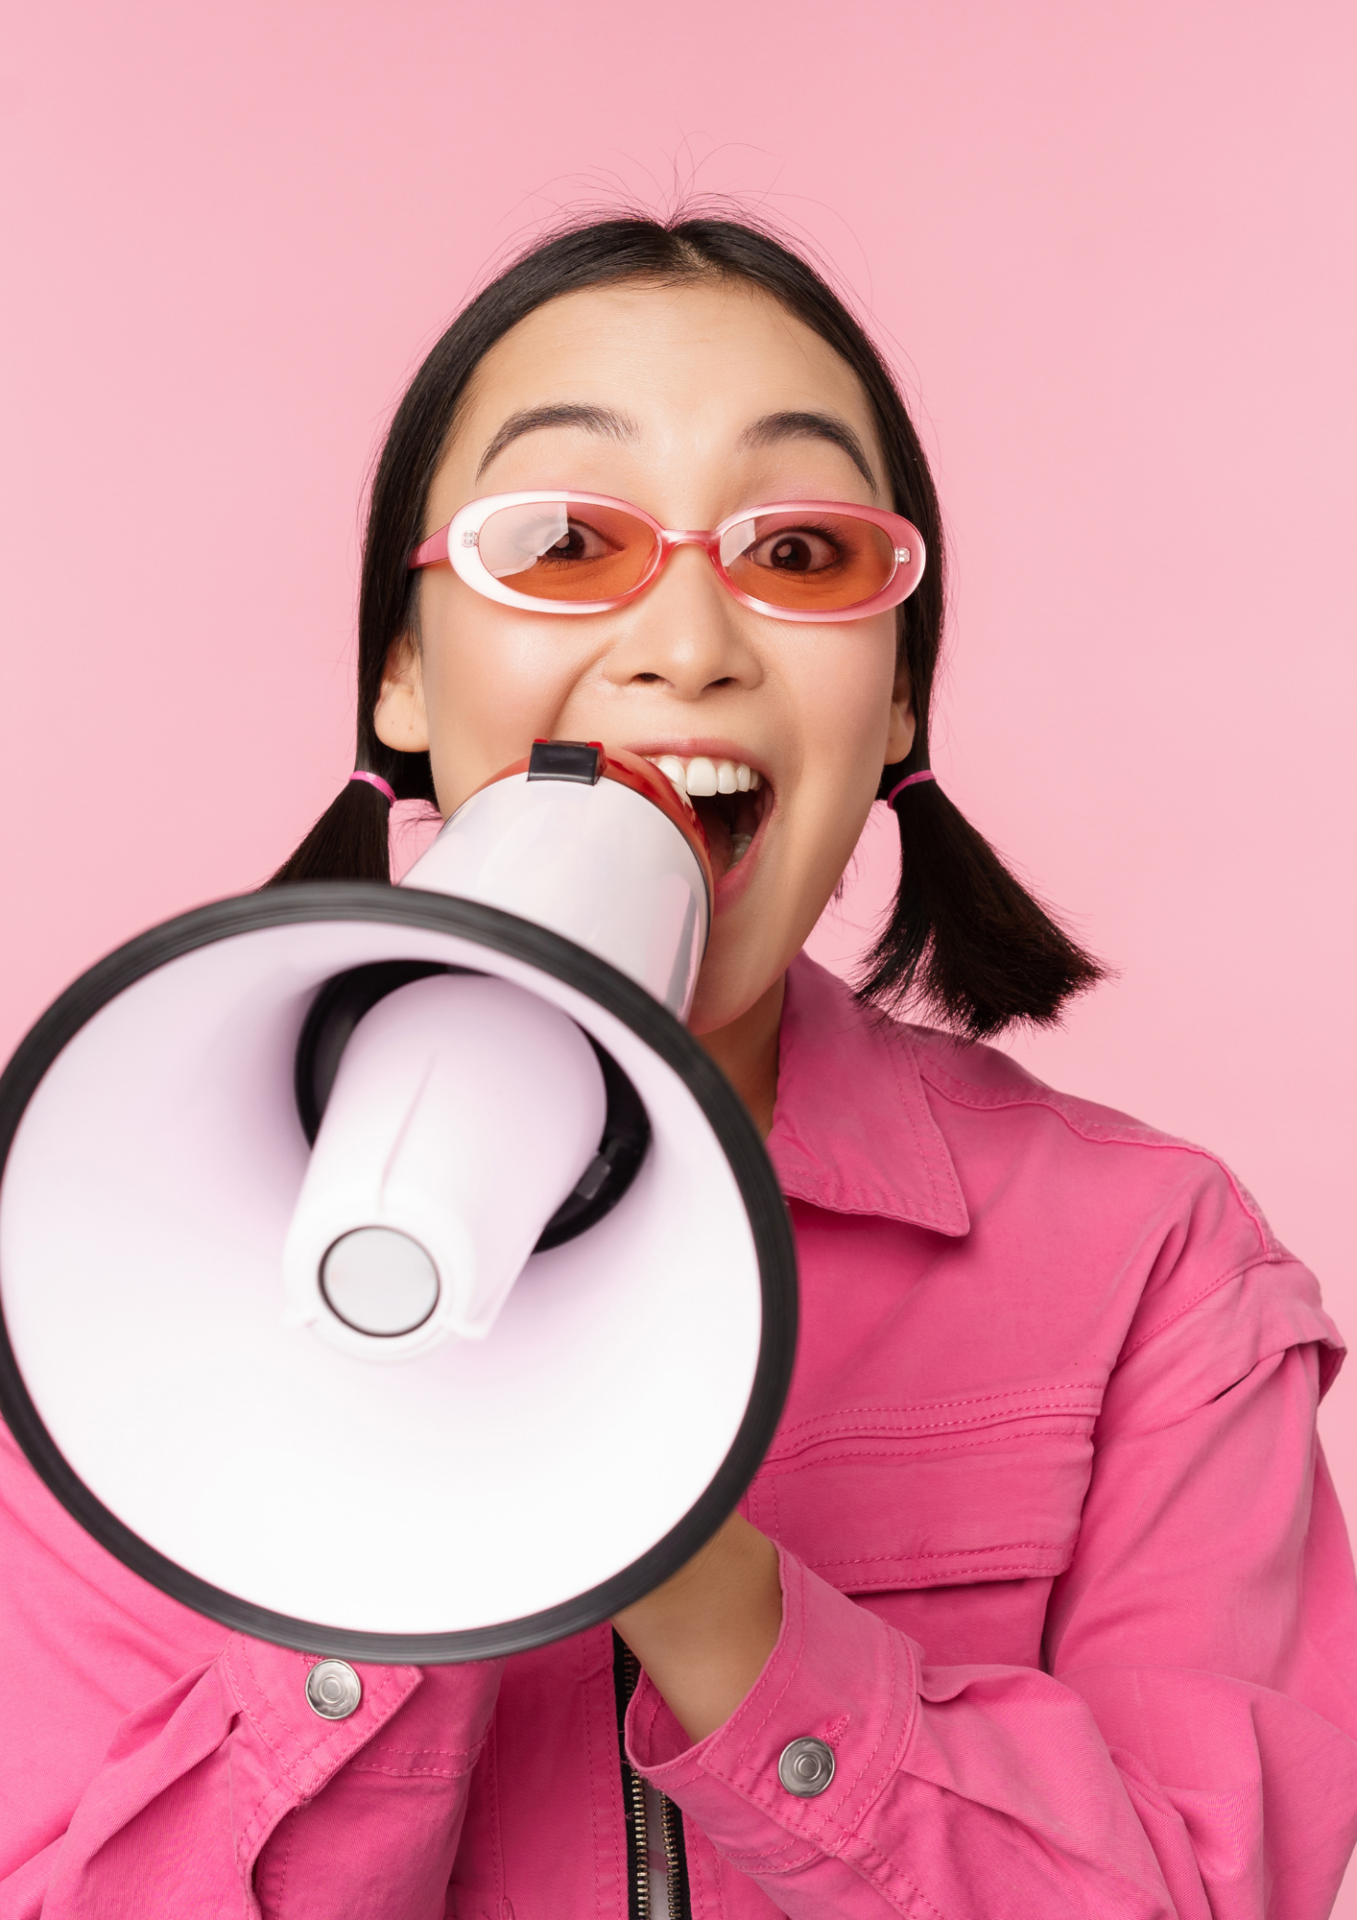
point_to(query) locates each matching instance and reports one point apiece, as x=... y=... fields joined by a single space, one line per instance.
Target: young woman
x=1041 y=1604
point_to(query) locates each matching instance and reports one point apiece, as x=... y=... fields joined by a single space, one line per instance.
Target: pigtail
x=348 y=842
x=352 y=838
x=966 y=942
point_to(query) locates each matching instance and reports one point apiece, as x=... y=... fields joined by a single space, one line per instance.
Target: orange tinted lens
x=813 y=562
x=562 y=550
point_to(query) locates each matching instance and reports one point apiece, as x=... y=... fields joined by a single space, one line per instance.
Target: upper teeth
x=700 y=777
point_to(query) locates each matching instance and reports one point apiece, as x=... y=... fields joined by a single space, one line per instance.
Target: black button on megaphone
x=386 y=1271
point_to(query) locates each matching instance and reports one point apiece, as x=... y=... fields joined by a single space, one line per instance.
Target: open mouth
x=730 y=799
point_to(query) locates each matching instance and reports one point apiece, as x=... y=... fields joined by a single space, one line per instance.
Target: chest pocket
x=883 y=1498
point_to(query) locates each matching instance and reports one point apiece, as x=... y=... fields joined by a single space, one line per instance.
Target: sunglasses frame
x=456 y=544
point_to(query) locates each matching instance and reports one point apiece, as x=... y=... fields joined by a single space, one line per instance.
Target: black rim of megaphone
x=620 y=996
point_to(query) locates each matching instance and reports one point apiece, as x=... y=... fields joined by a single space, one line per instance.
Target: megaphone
x=386 y=1271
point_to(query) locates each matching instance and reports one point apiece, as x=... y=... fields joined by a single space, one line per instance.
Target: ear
x=900 y=732
x=399 y=719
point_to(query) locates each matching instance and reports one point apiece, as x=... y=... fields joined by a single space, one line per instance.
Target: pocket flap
x=899 y=1500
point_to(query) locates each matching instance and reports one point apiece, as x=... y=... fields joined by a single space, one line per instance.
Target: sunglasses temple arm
x=433 y=550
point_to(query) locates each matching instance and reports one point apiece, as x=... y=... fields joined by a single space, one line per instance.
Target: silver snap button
x=333 y=1690
x=806 y=1768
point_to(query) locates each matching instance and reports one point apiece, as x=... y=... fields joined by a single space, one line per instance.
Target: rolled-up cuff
x=837 y=1675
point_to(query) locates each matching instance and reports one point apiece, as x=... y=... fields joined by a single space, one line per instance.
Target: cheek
x=842 y=690
x=493 y=683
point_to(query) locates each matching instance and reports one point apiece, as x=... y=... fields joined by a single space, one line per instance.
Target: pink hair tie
x=910 y=780
x=376 y=780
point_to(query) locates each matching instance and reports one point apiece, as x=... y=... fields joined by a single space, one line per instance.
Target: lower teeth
x=739 y=847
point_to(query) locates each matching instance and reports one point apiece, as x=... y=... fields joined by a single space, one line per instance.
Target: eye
x=580 y=541
x=796 y=550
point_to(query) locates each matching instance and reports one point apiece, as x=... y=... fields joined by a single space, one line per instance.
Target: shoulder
x=1105 y=1230
x=1125 y=1197
x=889 y=1097
x=984 y=1078
x=969 y=1083
x=998 y=1124
x=968 y=1080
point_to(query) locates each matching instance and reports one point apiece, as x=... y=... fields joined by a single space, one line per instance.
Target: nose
x=685 y=633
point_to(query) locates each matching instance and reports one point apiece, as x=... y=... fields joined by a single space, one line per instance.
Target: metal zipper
x=671 y=1832
x=626 y=1672
x=639 y=1901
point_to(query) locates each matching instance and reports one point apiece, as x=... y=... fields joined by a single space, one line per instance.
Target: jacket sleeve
x=138 y=1781
x=1188 y=1751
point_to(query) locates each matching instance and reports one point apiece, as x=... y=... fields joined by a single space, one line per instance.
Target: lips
x=730 y=798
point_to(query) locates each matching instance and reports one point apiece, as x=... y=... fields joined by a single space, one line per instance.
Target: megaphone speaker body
x=464 y=1111
x=387 y=1271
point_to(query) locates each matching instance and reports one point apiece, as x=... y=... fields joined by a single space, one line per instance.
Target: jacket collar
x=852 y=1128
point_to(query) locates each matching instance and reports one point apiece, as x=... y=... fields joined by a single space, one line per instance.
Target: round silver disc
x=379 y=1281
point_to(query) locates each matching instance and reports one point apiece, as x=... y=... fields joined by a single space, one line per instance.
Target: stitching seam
x=962 y=1400
x=1160 y=1326
x=949 y=1553
x=1129 y=1134
x=902 y=1452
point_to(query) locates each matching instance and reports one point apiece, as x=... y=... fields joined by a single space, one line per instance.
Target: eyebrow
x=809 y=426
x=599 y=420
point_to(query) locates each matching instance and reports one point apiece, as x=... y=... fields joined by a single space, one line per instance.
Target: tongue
x=730 y=822
x=716 y=825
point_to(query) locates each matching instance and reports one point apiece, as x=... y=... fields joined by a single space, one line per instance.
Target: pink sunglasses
x=566 y=552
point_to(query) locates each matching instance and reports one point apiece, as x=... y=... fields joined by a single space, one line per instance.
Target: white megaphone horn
x=385 y=1271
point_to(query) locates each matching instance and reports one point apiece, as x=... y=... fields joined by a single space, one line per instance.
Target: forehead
x=697 y=361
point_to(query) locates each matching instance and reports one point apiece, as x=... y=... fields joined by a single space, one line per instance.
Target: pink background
x=1109 y=250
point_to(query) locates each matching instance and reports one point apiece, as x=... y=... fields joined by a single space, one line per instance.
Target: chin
x=715 y=1005
x=728 y=986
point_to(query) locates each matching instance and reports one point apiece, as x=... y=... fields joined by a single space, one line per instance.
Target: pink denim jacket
x=1067 y=1592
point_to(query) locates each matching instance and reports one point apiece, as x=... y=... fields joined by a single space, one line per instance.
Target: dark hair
x=965 y=939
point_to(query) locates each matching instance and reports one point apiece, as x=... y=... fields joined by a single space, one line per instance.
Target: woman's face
x=693 y=403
